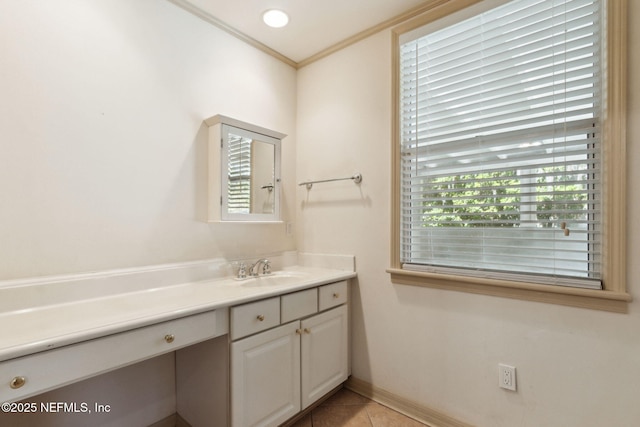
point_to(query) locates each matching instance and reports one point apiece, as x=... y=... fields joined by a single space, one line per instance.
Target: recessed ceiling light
x=275 y=18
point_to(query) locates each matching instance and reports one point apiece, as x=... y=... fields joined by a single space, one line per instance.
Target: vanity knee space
x=34 y=374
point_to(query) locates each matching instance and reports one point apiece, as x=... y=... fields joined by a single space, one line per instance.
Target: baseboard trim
x=173 y=420
x=181 y=422
x=417 y=411
x=169 y=421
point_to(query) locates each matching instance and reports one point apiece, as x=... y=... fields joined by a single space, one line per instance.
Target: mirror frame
x=218 y=170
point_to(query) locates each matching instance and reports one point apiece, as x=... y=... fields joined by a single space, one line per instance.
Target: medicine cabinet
x=244 y=171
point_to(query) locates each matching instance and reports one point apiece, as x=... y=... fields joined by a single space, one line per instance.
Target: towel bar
x=357 y=178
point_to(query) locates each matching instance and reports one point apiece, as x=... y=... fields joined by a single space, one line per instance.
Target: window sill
x=575 y=297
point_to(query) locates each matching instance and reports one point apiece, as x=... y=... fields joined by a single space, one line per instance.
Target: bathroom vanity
x=248 y=352
x=287 y=352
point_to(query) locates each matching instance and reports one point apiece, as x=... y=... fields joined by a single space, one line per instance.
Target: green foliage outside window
x=496 y=199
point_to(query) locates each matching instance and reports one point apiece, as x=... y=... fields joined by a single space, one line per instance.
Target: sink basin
x=277 y=278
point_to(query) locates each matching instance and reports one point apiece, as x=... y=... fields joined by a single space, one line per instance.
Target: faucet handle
x=266 y=267
x=242 y=271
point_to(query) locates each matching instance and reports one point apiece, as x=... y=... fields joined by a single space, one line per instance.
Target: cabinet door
x=265 y=373
x=324 y=353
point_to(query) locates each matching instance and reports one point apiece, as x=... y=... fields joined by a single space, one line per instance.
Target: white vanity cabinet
x=278 y=372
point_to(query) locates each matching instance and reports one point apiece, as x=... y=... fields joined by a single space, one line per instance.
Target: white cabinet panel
x=298 y=305
x=258 y=316
x=265 y=372
x=332 y=295
x=324 y=353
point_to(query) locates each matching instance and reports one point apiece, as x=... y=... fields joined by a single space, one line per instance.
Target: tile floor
x=348 y=409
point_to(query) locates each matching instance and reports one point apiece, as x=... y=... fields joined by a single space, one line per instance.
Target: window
x=501 y=124
x=239 y=173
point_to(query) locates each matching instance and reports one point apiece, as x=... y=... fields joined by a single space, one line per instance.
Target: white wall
x=575 y=367
x=102 y=141
x=103 y=157
x=102 y=165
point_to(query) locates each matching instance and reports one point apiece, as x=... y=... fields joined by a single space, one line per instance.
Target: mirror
x=244 y=171
x=250 y=175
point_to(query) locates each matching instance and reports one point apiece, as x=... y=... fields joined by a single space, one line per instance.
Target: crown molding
x=389 y=23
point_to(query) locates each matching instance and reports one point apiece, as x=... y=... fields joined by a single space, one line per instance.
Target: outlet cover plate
x=507 y=377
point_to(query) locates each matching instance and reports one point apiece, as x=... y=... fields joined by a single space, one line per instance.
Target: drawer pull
x=260 y=317
x=17 y=382
x=169 y=338
x=336 y=295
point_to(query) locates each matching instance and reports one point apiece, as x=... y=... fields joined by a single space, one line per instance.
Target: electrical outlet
x=507 y=377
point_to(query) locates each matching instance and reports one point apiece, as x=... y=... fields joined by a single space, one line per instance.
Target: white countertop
x=30 y=329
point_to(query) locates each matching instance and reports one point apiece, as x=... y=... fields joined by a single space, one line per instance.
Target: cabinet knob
x=260 y=317
x=169 y=338
x=17 y=382
x=336 y=295
x=298 y=331
x=307 y=330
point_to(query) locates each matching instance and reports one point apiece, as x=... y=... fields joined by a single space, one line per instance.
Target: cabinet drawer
x=257 y=316
x=299 y=304
x=332 y=295
x=54 y=368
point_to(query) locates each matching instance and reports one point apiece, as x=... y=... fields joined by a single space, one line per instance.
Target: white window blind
x=239 y=178
x=500 y=132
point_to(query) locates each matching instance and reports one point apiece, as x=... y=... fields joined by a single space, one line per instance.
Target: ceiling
x=315 y=25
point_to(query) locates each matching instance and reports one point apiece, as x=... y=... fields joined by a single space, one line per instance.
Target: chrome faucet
x=266 y=267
